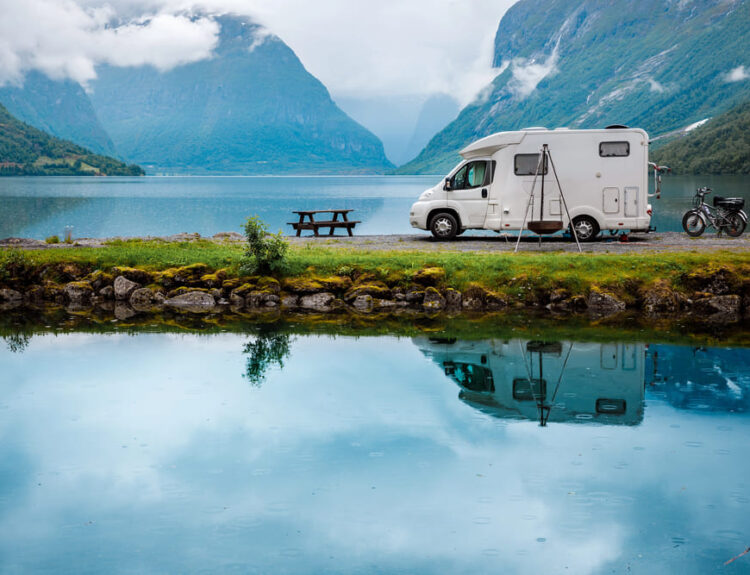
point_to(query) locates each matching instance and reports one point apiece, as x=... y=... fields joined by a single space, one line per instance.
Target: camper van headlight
x=426 y=195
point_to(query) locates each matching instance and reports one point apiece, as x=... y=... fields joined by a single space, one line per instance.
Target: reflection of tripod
x=542 y=226
x=538 y=386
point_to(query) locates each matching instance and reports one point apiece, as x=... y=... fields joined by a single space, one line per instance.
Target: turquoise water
x=179 y=453
x=105 y=207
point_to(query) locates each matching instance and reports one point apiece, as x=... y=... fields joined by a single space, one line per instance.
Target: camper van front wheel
x=444 y=226
x=586 y=228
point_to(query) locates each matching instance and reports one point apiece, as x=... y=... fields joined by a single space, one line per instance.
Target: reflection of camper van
x=603 y=175
x=545 y=381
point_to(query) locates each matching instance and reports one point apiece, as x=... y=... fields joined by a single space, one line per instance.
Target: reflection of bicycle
x=726 y=215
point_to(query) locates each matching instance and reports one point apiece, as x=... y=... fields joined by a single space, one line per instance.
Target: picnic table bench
x=314 y=225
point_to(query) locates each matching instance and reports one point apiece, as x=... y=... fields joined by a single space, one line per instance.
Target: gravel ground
x=669 y=241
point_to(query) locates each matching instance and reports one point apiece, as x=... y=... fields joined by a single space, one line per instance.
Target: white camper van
x=603 y=175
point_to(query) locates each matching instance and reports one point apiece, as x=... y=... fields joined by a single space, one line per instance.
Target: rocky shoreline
x=717 y=296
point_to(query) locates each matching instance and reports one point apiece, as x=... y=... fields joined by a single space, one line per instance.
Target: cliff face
x=59 y=107
x=252 y=108
x=657 y=64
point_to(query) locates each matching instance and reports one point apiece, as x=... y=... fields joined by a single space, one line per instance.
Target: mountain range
x=655 y=64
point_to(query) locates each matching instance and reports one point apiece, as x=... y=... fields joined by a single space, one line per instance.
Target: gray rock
x=262 y=299
x=78 y=293
x=10 y=296
x=289 y=301
x=107 y=292
x=194 y=301
x=414 y=296
x=604 y=303
x=433 y=300
x=144 y=299
x=318 y=301
x=661 y=299
x=123 y=311
x=236 y=300
x=453 y=298
x=124 y=287
x=363 y=303
x=722 y=304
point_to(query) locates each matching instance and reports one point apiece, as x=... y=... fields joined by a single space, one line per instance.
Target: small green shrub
x=53 y=240
x=265 y=252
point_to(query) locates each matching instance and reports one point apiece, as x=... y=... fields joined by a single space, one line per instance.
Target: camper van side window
x=614 y=149
x=526 y=164
x=471 y=175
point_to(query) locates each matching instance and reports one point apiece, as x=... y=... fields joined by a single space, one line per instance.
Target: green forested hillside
x=251 y=109
x=60 y=108
x=26 y=151
x=659 y=65
x=720 y=146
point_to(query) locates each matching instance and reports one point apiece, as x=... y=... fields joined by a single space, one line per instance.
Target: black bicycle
x=726 y=215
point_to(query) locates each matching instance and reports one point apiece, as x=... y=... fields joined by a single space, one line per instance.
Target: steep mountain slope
x=655 y=64
x=252 y=108
x=720 y=146
x=60 y=108
x=26 y=151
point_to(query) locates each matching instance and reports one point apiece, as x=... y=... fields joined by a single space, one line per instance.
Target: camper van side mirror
x=447 y=186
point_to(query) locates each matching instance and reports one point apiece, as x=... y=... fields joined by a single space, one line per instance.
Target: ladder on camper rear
x=541 y=226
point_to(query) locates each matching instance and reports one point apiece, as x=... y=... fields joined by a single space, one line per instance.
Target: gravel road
x=654 y=242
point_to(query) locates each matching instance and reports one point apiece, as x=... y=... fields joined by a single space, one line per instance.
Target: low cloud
x=65 y=39
x=737 y=74
x=355 y=47
x=528 y=73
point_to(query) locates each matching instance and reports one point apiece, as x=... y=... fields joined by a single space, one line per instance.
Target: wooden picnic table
x=332 y=223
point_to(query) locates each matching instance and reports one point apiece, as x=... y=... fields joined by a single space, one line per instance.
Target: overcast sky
x=355 y=47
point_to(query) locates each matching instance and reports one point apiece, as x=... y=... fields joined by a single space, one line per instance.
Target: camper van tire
x=586 y=228
x=444 y=226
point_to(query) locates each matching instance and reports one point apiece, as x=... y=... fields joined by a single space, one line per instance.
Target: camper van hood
x=491 y=144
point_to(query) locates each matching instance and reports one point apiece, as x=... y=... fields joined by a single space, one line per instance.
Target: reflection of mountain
x=703 y=379
x=21 y=214
x=545 y=381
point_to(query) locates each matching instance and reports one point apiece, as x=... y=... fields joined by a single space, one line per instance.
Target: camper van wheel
x=444 y=226
x=586 y=228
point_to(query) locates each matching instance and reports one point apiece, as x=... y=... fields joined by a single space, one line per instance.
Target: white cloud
x=655 y=86
x=737 y=74
x=355 y=47
x=528 y=73
x=65 y=39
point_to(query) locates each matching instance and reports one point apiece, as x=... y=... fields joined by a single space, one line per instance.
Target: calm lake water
x=182 y=453
x=104 y=207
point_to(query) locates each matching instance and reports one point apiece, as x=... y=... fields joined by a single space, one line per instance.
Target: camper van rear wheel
x=444 y=226
x=586 y=228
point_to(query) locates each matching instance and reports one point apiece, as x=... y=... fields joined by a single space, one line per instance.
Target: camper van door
x=470 y=186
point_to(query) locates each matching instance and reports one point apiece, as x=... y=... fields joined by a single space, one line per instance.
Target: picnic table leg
x=315 y=228
x=299 y=227
x=349 y=229
x=335 y=219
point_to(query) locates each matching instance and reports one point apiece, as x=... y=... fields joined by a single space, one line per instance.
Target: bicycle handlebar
x=704 y=191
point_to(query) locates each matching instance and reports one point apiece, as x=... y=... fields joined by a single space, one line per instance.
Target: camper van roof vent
x=533 y=129
x=616 y=127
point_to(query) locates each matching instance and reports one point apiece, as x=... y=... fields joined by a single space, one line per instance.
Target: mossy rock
x=231 y=284
x=214 y=280
x=432 y=276
x=244 y=289
x=377 y=290
x=302 y=285
x=268 y=284
x=136 y=275
x=715 y=280
x=98 y=279
x=184 y=289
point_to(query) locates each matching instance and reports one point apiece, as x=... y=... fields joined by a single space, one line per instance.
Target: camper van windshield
x=471 y=175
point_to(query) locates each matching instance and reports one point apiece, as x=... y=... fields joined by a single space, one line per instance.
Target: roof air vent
x=616 y=127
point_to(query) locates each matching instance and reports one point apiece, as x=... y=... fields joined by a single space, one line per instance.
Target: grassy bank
x=512 y=275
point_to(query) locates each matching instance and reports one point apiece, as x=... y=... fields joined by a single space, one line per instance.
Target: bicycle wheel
x=693 y=224
x=735 y=225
